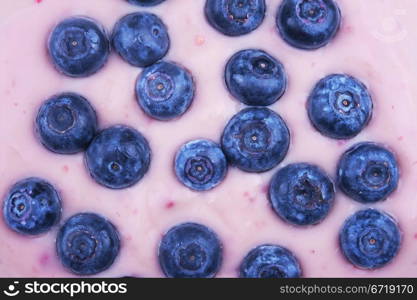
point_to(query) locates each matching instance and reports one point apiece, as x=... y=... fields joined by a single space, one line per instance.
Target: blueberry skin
x=270 y=261
x=118 y=157
x=32 y=206
x=308 y=24
x=367 y=172
x=339 y=106
x=87 y=244
x=301 y=194
x=141 y=39
x=370 y=239
x=235 y=17
x=190 y=250
x=165 y=90
x=255 y=78
x=200 y=165
x=78 y=47
x=145 y=2
x=256 y=139
x=66 y=123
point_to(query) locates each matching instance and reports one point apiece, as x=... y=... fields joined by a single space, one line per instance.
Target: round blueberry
x=87 y=244
x=270 y=261
x=235 y=17
x=370 y=239
x=66 y=123
x=190 y=250
x=339 y=106
x=200 y=165
x=367 y=172
x=308 y=24
x=301 y=194
x=145 y=2
x=256 y=139
x=141 y=39
x=118 y=157
x=255 y=78
x=32 y=206
x=78 y=46
x=165 y=90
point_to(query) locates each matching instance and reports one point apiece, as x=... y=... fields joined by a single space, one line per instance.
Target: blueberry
x=301 y=194
x=165 y=90
x=190 y=250
x=308 y=24
x=141 y=39
x=118 y=157
x=255 y=78
x=66 y=123
x=370 y=239
x=32 y=206
x=256 y=139
x=87 y=244
x=270 y=261
x=78 y=46
x=235 y=17
x=339 y=106
x=200 y=165
x=146 y=2
x=367 y=172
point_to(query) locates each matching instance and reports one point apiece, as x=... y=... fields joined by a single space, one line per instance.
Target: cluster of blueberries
x=255 y=140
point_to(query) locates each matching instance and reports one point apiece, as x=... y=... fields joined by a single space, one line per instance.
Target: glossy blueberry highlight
x=368 y=172
x=145 y=2
x=339 y=106
x=256 y=139
x=165 y=90
x=118 y=157
x=370 y=239
x=190 y=250
x=32 y=206
x=308 y=24
x=78 y=46
x=66 y=123
x=141 y=38
x=200 y=165
x=235 y=17
x=301 y=194
x=87 y=244
x=255 y=78
x=270 y=261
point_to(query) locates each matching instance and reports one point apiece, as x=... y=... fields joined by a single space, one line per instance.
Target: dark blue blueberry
x=339 y=106
x=270 y=261
x=190 y=250
x=235 y=17
x=200 y=165
x=66 y=123
x=370 y=239
x=118 y=157
x=78 y=46
x=301 y=194
x=87 y=244
x=165 y=90
x=32 y=206
x=256 y=139
x=255 y=78
x=368 y=172
x=308 y=24
x=141 y=38
x=146 y=2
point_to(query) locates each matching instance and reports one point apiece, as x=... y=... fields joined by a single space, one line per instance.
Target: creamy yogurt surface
x=377 y=43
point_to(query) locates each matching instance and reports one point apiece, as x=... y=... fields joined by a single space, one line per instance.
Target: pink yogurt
x=376 y=43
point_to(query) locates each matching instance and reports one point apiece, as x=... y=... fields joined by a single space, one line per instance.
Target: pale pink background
x=376 y=43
